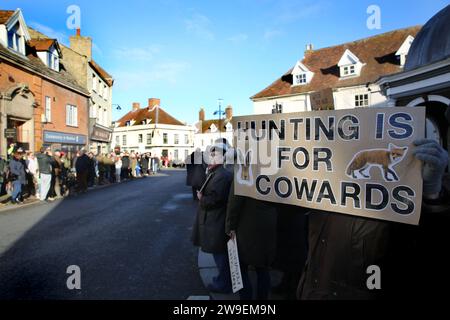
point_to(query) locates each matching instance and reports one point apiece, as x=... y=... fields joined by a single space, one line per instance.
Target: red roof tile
x=377 y=52
x=5 y=15
x=141 y=115
x=41 y=44
x=102 y=73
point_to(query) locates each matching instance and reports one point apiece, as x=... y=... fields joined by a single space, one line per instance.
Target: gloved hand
x=435 y=160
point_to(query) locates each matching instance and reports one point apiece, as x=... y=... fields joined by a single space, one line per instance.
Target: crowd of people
x=49 y=174
x=323 y=255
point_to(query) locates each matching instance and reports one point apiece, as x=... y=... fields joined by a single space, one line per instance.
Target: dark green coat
x=255 y=223
x=209 y=228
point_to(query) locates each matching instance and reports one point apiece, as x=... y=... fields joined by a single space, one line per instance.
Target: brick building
x=40 y=102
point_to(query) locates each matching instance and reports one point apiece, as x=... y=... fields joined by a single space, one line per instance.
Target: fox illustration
x=383 y=158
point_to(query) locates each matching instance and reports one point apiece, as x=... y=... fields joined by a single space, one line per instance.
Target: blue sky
x=189 y=53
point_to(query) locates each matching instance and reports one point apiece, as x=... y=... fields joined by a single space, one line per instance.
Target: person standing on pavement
x=209 y=227
x=45 y=172
x=32 y=166
x=254 y=224
x=125 y=172
x=18 y=178
x=196 y=172
x=82 y=167
x=118 y=166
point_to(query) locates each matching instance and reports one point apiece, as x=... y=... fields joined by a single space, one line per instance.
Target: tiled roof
x=33 y=62
x=5 y=15
x=206 y=125
x=141 y=115
x=41 y=44
x=377 y=53
x=102 y=73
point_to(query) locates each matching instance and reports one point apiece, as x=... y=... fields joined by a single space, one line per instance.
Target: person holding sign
x=354 y=257
x=254 y=222
x=209 y=227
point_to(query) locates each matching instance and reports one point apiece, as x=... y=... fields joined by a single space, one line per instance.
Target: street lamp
x=220 y=113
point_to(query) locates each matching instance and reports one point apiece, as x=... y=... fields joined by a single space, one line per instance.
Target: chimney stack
x=229 y=112
x=82 y=45
x=136 y=106
x=153 y=102
x=201 y=115
x=309 y=48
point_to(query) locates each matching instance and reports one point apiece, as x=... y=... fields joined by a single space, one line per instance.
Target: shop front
x=100 y=139
x=66 y=142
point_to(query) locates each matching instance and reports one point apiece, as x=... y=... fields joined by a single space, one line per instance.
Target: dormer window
x=213 y=128
x=300 y=78
x=16 y=40
x=349 y=65
x=402 y=52
x=349 y=70
x=301 y=74
x=53 y=61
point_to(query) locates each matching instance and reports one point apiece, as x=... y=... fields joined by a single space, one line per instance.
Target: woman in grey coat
x=209 y=228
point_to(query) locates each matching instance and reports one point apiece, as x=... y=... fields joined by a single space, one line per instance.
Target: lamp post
x=220 y=113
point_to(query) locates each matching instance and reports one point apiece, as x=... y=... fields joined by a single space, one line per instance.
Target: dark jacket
x=196 y=169
x=44 y=163
x=82 y=164
x=16 y=167
x=255 y=223
x=125 y=162
x=209 y=227
x=292 y=238
x=342 y=247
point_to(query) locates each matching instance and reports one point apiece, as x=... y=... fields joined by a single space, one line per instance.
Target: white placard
x=235 y=269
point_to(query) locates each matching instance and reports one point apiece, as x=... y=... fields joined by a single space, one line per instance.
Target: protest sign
x=235 y=269
x=354 y=161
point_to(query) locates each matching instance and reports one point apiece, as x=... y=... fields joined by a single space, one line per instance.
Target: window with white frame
x=16 y=41
x=149 y=138
x=349 y=70
x=165 y=138
x=71 y=115
x=186 y=139
x=175 y=154
x=117 y=140
x=300 y=78
x=48 y=109
x=186 y=153
x=362 y=100
x=176 y=139
x=53 y=61
x=140 y=138
x=124 y=140
x=94 y=82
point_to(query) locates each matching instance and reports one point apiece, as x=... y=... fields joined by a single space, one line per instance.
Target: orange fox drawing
x=383 y=158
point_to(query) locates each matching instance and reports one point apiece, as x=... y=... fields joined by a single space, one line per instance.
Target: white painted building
x=208 y=131
x=151 y=129
x=338 y=77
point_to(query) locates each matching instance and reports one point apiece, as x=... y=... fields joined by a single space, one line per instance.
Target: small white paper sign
x=235 y=269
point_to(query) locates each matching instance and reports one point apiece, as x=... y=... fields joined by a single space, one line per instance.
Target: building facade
x=425 y=80
x=208 y=131
x=41 y=104
x=151 y=129
x=338 y=77
x=99 y=83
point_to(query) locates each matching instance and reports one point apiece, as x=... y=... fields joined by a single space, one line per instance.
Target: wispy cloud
x=49 y=32
x=170 y=72
x=292 y=11
x=200 y=26
x=272 y=33
x=137 y=54
x=238 y=38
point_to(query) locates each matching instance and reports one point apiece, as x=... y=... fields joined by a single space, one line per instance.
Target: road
x=130 y=241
